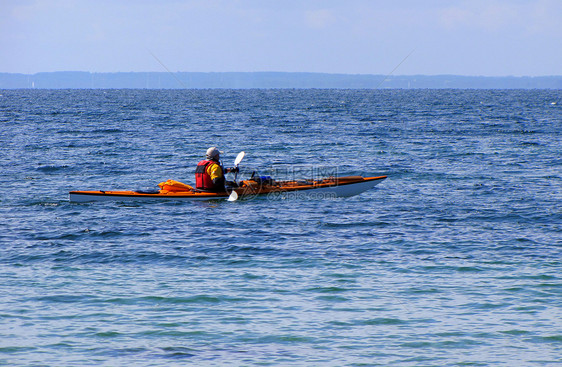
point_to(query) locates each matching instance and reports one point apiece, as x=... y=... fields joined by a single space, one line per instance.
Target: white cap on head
x=213 y=152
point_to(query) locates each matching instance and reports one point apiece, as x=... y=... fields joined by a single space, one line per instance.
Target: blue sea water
x=454 y=260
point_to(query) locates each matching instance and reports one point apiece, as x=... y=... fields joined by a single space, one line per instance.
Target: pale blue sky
x=465 y=37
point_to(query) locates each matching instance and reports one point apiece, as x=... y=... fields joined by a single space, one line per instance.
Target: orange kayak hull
x=325 y=188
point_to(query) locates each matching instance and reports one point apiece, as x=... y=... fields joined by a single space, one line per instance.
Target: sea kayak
x=331 y=187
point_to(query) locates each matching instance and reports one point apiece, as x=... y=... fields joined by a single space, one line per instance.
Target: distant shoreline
x=266 y=80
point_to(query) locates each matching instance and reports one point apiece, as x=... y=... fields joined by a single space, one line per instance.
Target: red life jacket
x=203 y=180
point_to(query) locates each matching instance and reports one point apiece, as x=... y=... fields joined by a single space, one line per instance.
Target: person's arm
x=215 y=171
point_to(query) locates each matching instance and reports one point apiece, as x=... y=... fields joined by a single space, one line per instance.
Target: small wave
x=14 y=349
x=197 y=299
x=328 y=290
x=108 y=131
x=124 y=352
x=555 y=339
x=51 y=169
x=177 y=353
x=107 y=334
x=66 y=298
x=379 y=321
x=515 y=332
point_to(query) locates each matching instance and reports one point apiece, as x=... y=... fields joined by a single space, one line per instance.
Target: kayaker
x=209 y=174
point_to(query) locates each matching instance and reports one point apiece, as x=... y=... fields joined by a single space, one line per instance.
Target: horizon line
x=283 y=72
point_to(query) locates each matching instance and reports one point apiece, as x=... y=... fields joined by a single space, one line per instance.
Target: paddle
x=239 y=158
x=234 y=195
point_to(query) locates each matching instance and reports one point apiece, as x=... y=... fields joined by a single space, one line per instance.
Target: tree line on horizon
x=265 y=80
